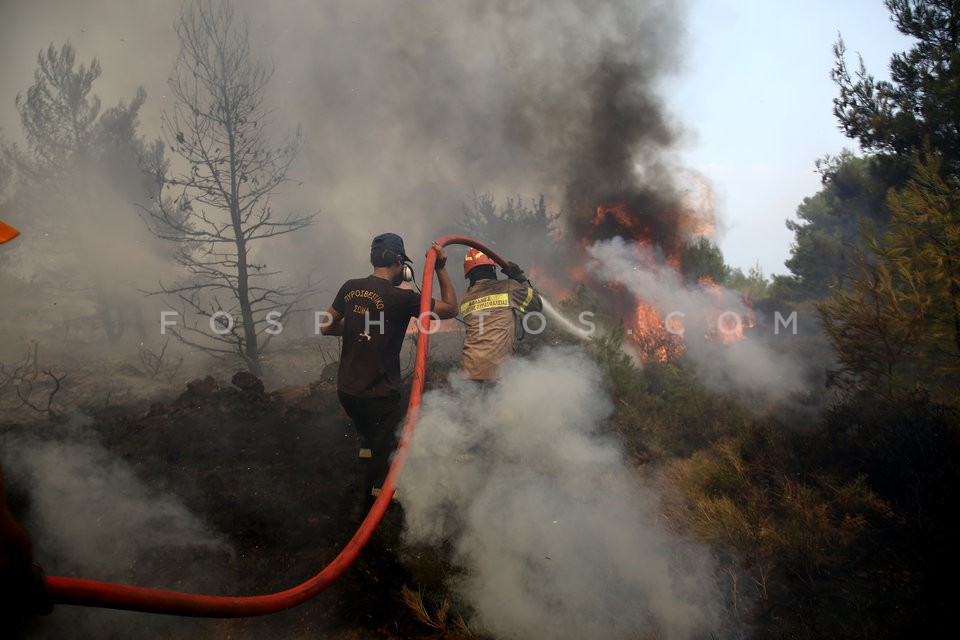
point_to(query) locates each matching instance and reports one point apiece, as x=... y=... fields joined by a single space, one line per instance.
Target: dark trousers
x=376 y=420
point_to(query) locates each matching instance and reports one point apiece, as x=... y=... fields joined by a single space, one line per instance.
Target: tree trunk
x=113 y=330
x=250 y=349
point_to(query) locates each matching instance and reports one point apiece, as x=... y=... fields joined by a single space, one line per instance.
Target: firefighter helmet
x=475 y=258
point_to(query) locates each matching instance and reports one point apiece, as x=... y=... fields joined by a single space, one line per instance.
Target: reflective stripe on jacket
x=488 y=310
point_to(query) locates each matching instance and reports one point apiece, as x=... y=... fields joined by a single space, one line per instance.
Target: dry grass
x=439 y=620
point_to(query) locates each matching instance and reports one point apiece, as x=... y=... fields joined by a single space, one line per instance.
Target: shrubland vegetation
x=830 y=522
x=835 y=524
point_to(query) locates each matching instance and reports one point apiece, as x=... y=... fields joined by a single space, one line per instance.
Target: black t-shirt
x=376 y=315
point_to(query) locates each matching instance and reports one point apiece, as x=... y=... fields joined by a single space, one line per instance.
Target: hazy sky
x=757 y=96
x=753 y=92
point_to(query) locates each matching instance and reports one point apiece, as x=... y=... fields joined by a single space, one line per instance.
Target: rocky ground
x=266 y=477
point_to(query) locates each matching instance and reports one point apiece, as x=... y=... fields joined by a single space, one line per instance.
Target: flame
x=659 y=230
x=725 y=325
x=616 y=219
x=617 y=214
x=646 y=329
x=651 y=338
x=664 y=339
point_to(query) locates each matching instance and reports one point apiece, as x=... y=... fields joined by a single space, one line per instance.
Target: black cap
x=385 y=248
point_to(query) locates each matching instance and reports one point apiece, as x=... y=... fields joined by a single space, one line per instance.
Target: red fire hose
x=111 y=595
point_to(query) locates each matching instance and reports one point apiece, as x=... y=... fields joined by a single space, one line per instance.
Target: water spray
x=587 y=334
x=565 y=323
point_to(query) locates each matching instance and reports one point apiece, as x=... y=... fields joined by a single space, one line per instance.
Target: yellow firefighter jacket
x=489 y=309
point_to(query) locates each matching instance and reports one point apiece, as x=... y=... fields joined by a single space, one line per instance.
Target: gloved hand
x=514 y=272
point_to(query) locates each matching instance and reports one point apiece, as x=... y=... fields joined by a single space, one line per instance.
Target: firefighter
x=372 y=315
x=492 y=310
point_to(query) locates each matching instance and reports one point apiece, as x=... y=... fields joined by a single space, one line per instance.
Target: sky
x=751 y=90
x=756 y=95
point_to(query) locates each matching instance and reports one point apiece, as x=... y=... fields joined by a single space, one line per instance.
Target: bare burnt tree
x=25 y=382
x=214 y=200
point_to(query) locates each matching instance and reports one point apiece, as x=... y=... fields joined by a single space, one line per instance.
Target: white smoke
x=559 y=537
x=747 y=366
x=90 y=511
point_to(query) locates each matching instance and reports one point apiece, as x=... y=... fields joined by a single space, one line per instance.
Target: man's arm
x=536 y=303
x=335 y=327
x=446 y=307
x=529 y=299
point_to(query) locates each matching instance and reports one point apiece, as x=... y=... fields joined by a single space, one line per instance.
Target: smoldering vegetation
x=77 y=487
x=220 y=491
x=750 y=367
x=92 y=514
x=555 y=531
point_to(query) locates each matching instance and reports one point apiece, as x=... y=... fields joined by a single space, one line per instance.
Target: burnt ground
x=272 y=475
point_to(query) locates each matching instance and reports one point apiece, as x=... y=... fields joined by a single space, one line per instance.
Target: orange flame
x=649 y=334
x=725 y=325
x=620 y=214
x=653 y=336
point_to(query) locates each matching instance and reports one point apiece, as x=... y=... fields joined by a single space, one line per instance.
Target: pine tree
x=897 y=322
x=920 y=104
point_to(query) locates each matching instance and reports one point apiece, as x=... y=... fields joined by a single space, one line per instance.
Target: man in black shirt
x=372 y=314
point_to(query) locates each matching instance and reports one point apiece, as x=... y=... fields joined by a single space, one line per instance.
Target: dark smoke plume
x=408 y=110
